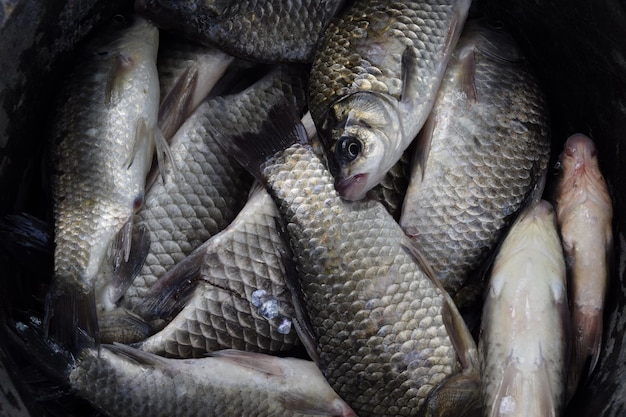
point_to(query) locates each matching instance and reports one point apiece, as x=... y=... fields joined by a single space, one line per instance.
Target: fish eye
x=350 y=147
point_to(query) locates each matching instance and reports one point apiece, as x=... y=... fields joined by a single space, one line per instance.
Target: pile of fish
x=361 y=180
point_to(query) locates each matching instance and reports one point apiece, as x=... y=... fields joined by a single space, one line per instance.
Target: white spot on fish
x=285 y=326
x=269 y=309
x=257 y=297
x=508 y=405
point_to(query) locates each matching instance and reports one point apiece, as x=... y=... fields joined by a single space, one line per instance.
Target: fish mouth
x=352 y=188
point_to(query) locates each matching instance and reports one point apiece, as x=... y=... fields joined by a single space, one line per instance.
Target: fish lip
x=353 y=187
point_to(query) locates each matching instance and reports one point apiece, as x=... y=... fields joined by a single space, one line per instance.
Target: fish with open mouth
x=102 y=142
x=374 y=78
x=385 y=334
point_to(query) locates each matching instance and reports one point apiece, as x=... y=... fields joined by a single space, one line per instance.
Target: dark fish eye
x=350 y=147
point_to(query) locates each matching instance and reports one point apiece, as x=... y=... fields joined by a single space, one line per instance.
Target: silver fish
x=584 y=212
x=524 y=334
x=374 y=80
x=258 y=30
x=121 y=381
x=385 y=335
x=210 y=188
x=481 y=156
x=103 y=138
x=241 y=300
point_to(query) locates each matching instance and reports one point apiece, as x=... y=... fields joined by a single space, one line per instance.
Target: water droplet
x=257 y=297
x=285 y=326
x=269 y=309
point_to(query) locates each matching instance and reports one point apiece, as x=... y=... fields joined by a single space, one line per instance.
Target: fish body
x=101 y=149
x=373 y=82
x=262 y=31
x=241 y=300
x=119 y=381
x=524 y=336
x=209 y=188
x=482 y=154
x=584 y=213
x=377 y=320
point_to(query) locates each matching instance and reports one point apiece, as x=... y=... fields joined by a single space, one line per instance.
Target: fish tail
x=586 y=346
x=280 y=130
x=71 y=319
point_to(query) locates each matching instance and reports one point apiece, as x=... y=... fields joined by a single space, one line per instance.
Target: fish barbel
x=585 y=214
x=385 y=335
x=482 y=154
x=103 y=137
x=525 y=327
x=373 y=82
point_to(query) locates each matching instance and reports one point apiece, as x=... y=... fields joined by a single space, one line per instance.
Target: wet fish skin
x=584 y=213
x=374 y=80
x=102 y=143
x=524 y=333
x=482 y=154
x=229 y=270
x=270 y=32
x=377 y=321
x=210 y=188
x=119 y=380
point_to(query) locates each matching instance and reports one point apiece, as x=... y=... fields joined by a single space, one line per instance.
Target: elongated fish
x=241 y=299
x=258 y=30
x=384 y=334
x=482 y=154
x=524 y=334
x=122 y=381
x=103 y=138
x=211 y=187
x=584 y=212
x=373 y=83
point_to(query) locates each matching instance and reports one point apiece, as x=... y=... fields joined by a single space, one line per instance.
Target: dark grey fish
x=385 y=335
x=209 y=188
x=120 y=381
x=374 y=79
x=239 y=298
x=259 y=30
x=481 y=155
x=103 y=136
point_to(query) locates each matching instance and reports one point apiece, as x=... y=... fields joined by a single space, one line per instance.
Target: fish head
x=578 y=169
x=361 y=136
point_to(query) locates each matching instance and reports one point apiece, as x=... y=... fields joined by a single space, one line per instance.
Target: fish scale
x=244 y=258
x=378 y=318
x=489 y=143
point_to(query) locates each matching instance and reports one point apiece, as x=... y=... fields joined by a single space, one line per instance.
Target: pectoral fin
x=457 y=396
x=121 y=65
x=523 y=393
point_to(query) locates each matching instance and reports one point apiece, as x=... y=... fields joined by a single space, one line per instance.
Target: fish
x=237 y=292
x=261 y=31
x=525 y=324
x=584 y=213
x=187 y=73
x=102 y=142
x=481 y=156
x=119 y=380
x=373 y=82
x=385 y=335
x=210 y=188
